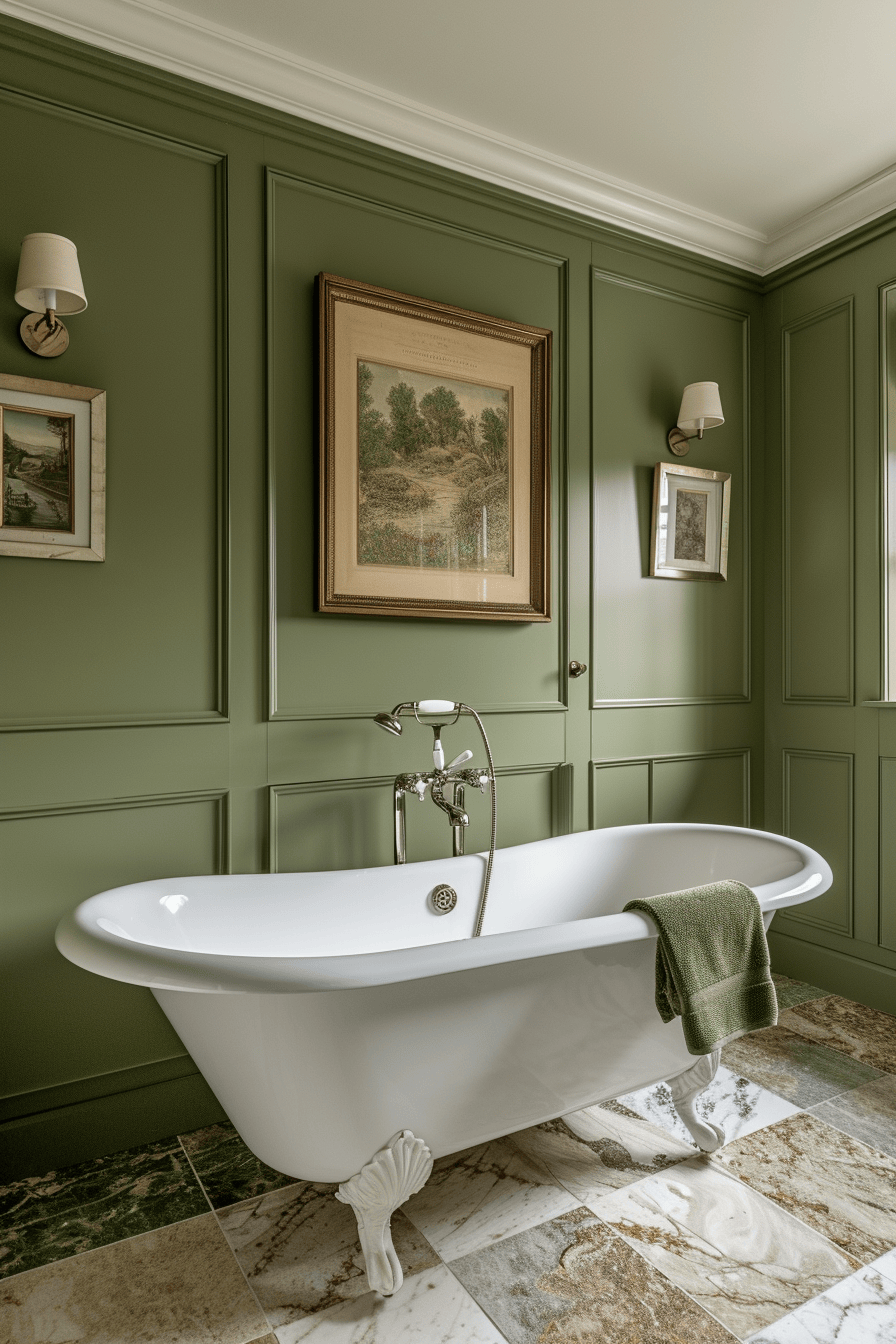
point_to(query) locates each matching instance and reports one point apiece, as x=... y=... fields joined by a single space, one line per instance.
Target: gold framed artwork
x=52 y=469
x=434 y=458
x=689 y=537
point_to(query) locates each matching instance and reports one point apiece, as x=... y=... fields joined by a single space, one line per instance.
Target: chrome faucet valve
x=435 y=782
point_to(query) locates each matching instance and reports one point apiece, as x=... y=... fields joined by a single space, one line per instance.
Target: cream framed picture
x=689 y=536
x=52 y=469
x=434 y=458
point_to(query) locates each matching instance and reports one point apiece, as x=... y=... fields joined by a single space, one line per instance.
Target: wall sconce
x=49 y=283
x=701 y=408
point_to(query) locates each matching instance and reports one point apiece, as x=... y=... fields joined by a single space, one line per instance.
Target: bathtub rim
x=82 y=941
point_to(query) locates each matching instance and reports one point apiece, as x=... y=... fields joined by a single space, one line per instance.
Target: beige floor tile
x=790 y=1065
x=486 y=1193
x=178 y=1285
x=827 y=1179
x=300 y=1252
x=596 y=1150
x=572 y=1281
x=740 y=1256
x=860 y=1032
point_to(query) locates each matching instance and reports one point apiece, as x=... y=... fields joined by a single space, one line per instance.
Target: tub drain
x=443 y=899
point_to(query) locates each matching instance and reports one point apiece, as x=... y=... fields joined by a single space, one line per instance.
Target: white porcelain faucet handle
x=436 y=706
x=459 y=761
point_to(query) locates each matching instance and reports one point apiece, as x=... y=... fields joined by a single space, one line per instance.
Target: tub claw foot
x=394 y=1174
x=686 y=1088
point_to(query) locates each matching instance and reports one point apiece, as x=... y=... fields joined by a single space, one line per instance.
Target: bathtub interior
x=549 y=882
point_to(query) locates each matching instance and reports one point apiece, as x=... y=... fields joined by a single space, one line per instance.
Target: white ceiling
x=748 y=130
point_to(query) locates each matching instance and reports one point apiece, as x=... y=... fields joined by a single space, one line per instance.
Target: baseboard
x=851 y=977
x=31 y=1145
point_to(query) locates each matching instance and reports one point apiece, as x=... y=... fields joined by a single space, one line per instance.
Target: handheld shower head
x=389 y=722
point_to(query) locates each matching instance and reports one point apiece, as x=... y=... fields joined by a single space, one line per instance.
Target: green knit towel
x=712 y=964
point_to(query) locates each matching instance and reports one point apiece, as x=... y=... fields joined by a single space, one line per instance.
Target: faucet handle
x=459 y=761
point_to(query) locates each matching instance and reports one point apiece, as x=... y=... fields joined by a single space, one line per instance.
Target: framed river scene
x=691 y=507
x=434 y=458
x=52 y=470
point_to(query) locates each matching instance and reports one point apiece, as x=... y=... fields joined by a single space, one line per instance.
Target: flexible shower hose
x=491 y=849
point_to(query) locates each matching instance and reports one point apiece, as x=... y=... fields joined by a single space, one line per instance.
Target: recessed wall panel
x=138 y=637
x=711 y=788
x=818 y=508
x=659 y=641
x=322 y=664
x=61 y=1022
x=337 y=824
x=620 y=794
x=818 y=809
x=888 y=852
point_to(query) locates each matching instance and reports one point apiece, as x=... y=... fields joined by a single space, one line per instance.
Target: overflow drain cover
x=443 y=899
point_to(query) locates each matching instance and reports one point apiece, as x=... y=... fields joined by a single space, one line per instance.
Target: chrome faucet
x=436 y=780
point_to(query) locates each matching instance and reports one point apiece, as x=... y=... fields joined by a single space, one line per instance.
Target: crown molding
x=841 y=215
x=168 y=39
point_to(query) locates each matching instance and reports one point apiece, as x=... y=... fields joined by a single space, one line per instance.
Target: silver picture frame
x=52 y=469
x=689 y=533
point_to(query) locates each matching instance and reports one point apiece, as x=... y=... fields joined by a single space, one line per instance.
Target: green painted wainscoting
x=830 y=735
x=182 y=709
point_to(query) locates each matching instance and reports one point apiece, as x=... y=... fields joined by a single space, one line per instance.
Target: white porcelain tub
x=329 y=1010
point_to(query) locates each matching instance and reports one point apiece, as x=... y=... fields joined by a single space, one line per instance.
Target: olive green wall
x=830 y=743
x=181 y=708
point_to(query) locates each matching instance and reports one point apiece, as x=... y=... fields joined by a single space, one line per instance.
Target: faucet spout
x=456 y=815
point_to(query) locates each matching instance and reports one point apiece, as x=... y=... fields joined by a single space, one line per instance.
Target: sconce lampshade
x=49 y=262
x=701 y=408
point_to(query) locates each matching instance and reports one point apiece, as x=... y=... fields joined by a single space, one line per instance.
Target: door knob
x=577 y=669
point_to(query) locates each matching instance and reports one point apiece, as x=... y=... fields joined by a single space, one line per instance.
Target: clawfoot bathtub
x=352 y=1034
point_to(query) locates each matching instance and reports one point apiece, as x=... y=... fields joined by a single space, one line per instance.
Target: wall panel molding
x=219 y=711
x=819 y=809
x=220 y=797
x=641 y=793
x=887 y=299
x=887 y=855
x=278 y=179
x=825 y=572
x=560 y=775
x=741 y=693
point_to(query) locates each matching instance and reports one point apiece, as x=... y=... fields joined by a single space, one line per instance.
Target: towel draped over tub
x=712 y=963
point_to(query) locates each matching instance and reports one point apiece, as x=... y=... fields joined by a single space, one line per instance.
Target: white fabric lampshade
x=50 y=262
x=701 y=408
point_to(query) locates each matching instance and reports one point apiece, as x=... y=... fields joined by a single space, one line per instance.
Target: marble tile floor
x=605 y=1226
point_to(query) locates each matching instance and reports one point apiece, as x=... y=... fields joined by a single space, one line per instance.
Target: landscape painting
x=434 y=473
x=38 y=460
x=690 y=525
x=434 y=458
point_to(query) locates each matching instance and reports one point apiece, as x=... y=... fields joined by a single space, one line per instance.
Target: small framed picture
x=689 y=538
x=434 y=459
x=52 y=469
